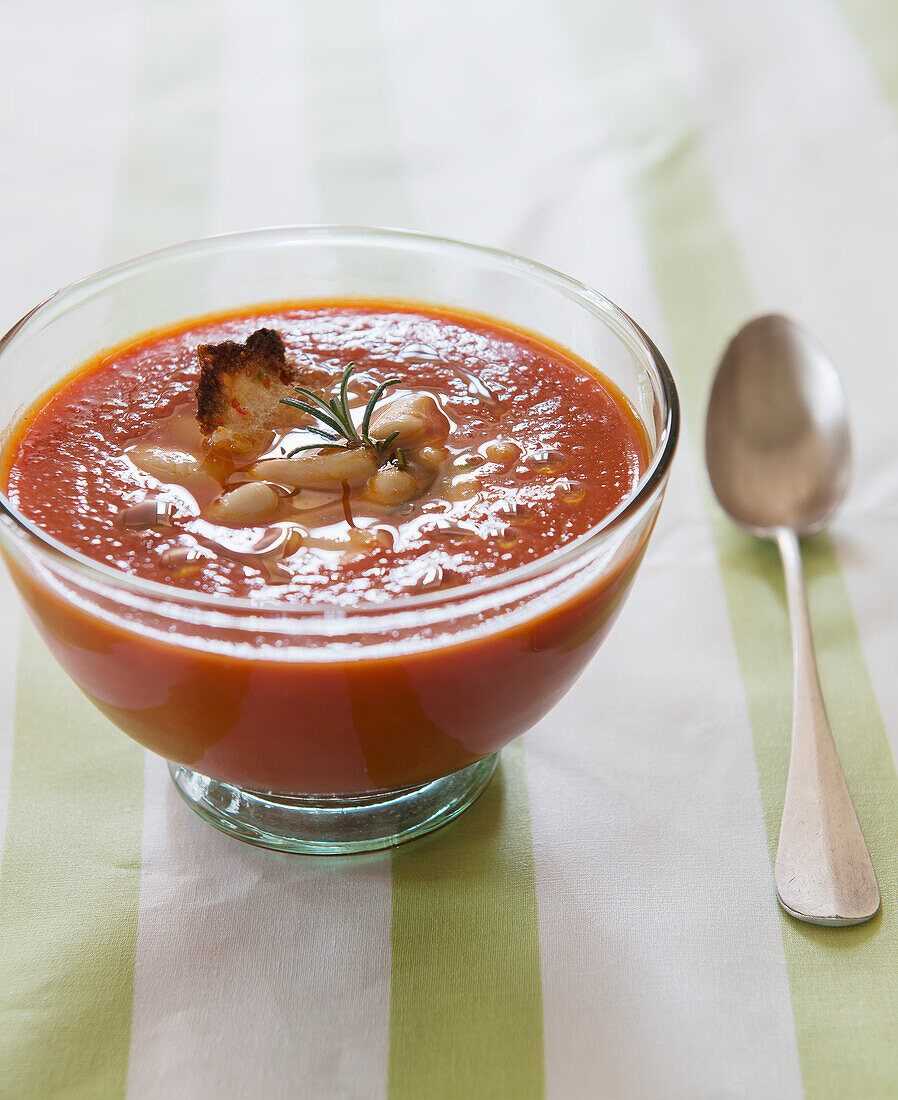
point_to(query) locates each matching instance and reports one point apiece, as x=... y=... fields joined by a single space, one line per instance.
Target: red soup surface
x=343 y=454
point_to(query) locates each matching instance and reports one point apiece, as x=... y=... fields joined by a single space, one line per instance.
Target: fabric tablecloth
x=602 y=923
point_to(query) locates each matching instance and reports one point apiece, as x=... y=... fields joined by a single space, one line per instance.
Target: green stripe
x=71 y=866
x=466 y=1000
x=875 y=24
x=466 y=995
x=844 y=998
x=68 y=896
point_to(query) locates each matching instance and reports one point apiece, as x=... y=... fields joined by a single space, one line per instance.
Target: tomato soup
x=337 y=455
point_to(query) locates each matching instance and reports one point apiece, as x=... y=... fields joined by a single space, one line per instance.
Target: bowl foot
x=332 y=824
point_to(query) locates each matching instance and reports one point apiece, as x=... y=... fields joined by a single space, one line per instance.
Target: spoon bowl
x=778 y=440
x=778 y=451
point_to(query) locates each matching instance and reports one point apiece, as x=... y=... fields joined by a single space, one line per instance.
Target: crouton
x=239 y=391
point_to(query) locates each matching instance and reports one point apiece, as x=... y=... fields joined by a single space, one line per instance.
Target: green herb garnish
x=335 y=415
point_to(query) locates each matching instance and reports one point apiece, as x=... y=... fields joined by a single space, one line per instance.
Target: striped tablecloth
x=603 y=922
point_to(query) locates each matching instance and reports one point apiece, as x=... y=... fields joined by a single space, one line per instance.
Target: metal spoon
x=778 y=449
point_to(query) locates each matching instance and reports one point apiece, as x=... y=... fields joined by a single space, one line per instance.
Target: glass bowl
x=313 y=728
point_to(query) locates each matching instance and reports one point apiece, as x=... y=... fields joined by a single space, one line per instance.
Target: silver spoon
x=778 y=449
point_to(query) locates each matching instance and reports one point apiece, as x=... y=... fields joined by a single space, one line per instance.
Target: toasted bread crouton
x=239 y=391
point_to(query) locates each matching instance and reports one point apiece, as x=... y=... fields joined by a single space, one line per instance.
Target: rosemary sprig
x=335 y=414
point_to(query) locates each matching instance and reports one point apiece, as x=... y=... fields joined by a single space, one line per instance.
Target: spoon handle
x=823 y=870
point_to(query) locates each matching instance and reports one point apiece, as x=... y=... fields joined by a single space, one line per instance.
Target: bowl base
x=332 y=824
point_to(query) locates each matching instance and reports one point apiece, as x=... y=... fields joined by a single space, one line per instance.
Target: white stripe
x=494 y=140
x=255 y=969
x=262 y=176
x=663 y=961
x=816 y=221
x=663 y=966
x=61 y=126
x=253 y=966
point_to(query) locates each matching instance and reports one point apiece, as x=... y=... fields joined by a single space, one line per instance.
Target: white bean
x=164 y=463
x=146 y=514
x=431 y=457
x=461 y=488
x=502 y=451
x=318 y=469
x=417 y=418
x=183 y=560
x=308 y=500
x=251 y=501
x=391 y=486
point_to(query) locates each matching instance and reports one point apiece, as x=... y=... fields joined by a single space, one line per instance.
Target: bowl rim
x=616 y=319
